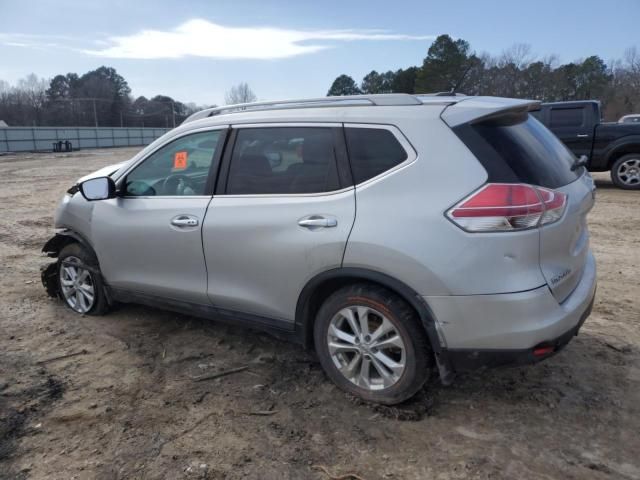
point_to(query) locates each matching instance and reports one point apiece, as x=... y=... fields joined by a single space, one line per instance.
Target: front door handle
x=318 y=221
x=583 y=135
x=184 y=221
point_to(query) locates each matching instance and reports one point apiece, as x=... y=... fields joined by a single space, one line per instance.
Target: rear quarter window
x=519 y=149
x=372 y=151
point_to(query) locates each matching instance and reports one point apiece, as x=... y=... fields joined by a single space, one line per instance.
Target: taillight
x=508 y=206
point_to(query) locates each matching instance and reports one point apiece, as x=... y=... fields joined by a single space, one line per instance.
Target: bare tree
x=552 y=61
x=623 y=92
x=24 y=103
x=33 y=89
x=632 y=58
x=518 y=55
x=240 y=93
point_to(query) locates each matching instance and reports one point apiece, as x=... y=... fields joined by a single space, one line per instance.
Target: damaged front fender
x=59 y=241
x=49 y=276
x=49 y=273
x=53 y=247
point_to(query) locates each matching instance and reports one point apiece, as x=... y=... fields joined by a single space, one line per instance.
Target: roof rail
x=387 y=99
x=442 y=94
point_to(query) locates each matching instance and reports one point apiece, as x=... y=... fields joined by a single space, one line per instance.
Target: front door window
x=180 y=168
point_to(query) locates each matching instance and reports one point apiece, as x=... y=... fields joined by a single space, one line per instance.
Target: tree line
x=451 y=65
x=101 y=97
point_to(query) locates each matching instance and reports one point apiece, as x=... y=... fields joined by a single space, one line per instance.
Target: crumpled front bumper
x=49 y=272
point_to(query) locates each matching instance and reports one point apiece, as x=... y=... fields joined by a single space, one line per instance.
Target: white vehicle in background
x=633 y=118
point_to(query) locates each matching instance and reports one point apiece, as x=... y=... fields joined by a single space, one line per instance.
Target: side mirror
x=99 y=188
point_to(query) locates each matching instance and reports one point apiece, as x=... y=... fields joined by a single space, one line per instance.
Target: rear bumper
x=461 y=360
x=492 y=330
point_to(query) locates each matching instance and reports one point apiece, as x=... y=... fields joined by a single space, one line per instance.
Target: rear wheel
x=625 y=172
x=370 y=343
x=80 y=281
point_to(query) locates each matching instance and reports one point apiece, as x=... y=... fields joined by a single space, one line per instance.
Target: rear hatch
x=564 y=245
x=514 y=147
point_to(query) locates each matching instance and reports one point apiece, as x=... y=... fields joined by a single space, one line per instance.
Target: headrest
x=316 y=150
x=254 y=164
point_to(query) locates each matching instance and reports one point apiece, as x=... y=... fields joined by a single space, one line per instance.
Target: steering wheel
x=140 y=188
x=177 y=184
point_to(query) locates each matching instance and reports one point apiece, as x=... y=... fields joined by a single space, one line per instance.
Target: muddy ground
x=126 y=405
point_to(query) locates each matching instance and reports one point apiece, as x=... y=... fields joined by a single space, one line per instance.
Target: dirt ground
x=126 y=406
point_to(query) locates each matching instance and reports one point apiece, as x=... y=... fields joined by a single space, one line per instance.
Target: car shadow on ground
x=182 y=345
x=573 y=376
x=605 y=184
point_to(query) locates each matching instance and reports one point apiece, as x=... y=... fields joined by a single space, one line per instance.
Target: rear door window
x=372 y=151
x=519 y=149
x=283 y=160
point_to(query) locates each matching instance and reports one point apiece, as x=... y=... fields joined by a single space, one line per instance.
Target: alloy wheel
x=366 y=347
x=629 y=171
x=76 y=285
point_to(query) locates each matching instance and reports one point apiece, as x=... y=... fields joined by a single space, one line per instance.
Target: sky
x=195 y=50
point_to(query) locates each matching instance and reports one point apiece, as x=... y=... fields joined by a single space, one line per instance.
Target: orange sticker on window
x=180 y=161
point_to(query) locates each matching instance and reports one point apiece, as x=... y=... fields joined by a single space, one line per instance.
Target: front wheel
x=80 y=281
x=625 y=172
x=370 y=343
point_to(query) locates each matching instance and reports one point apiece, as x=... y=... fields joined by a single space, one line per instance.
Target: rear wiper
x=581 y=161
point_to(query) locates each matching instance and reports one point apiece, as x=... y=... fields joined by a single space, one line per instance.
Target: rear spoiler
x=476 y=109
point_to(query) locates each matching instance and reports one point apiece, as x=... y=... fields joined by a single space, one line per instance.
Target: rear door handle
x=318 y=221
x=583 y=135
x=184 y=221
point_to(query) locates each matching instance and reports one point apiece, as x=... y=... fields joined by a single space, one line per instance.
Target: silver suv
x=394 y=234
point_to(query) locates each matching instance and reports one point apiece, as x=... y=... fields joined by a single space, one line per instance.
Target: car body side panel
x=140 y=251
x=75 y=213
x=259 y=258
x=401 y=229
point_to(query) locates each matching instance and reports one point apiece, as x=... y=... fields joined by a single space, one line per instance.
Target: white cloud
x=202 y=38
x=16 y=44
x=24 y=40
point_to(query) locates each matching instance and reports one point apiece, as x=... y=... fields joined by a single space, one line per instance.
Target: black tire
x=616 y=174
x=418 y=357
x=88 y=261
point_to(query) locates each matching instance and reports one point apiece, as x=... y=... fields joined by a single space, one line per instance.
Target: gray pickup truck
x=607 y=146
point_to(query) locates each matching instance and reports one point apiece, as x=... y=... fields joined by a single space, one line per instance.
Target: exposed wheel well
x=321 y=287
x=621 y=152
x=320 y=293
x=53 y=247
x=55 y=244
